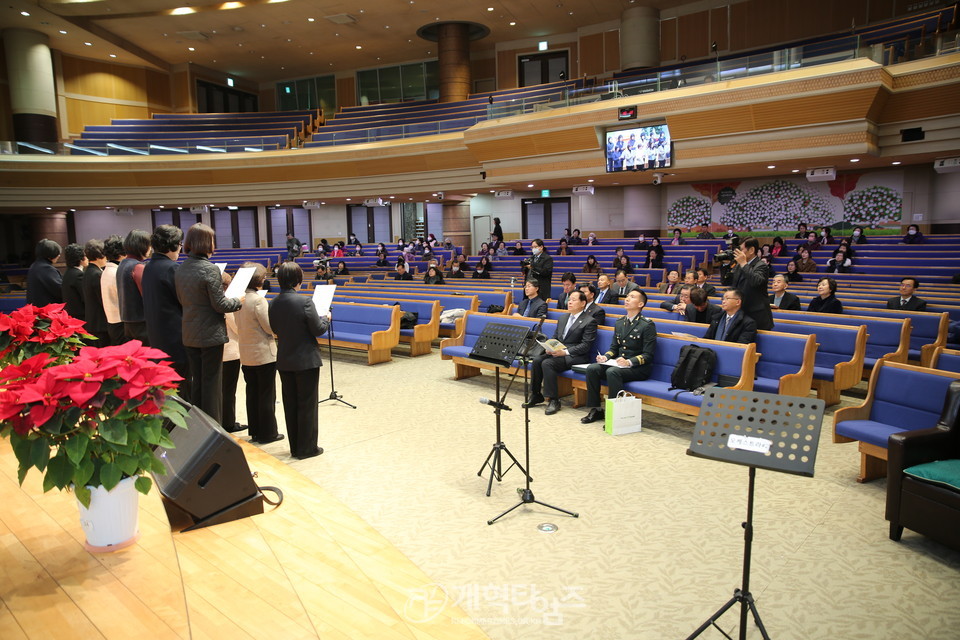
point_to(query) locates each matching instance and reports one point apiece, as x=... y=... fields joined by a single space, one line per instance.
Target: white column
x=640 y=38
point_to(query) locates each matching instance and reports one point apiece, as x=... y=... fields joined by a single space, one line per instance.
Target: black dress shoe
x=310 y=455
x=552 y=407
x=275 y=438
x=237 y=427
x=532 y=401
x=594 y=415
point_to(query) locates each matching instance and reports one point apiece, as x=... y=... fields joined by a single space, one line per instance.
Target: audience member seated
x=700 y=309
x=705 y=232
x=605 y=292
x=623 y=264
x=672 y=285
x=591 y=265
x=433 y=276
x=575 y=238
x=518 y=249
x=701 y=282
x=564 y=249
x=801 y=231
x=341 y=269
x=402 y=273
x=654 y=260
x=792 y=274
x=336 y=250
x=622 y=285
x=482 y=272
x=913 y=235
x=778 y=248
x=857 y=236
x=616 y=259
x=590 y=292
x=847 y=247
x=811 y=244
x=781 y=298
x=484 y=250
x=826 y=299
x=679 y=303
x=677 y=238
x=454 y=271
x=906 y=301
x=805 y=263
x=656 y=246
x=641 y=244
x=532 y=305
x=465 y=265
x=826 y=235
x=632 y=347
x=840 y=262
x=577 y=331
x=323 y=273
x=592 y=240
x=732 y=324
x=569 y=282
x=731 y=237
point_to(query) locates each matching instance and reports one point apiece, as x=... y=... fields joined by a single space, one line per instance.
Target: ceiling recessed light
x=513 y=24
x=311 y=19
x=49 y=209
x=854 y=159
x=89 y=44
x=113 y=55
x=895 y=162
x=25 y=14
x=182 y=11
x=359 y=46
x=489 y=8
x=771 y=166
x=795 y=171
x=322 y=202
x=590 y=180
x=63 y=32
x=529 y=186
x=190 y=49
x=348 y=199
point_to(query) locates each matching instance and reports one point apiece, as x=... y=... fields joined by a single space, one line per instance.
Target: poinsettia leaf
x=83 y=494
x=21 y=448
x=82 y=473
x=143 y=484
x=151 y=433
x=39 y=453
x=22 y=473
x=59 y=472
x=76 y=448
x=165 y=441
x=156 y=466
x=128 y=464
x=176 y=418
x=110 y=476
x=114 y=431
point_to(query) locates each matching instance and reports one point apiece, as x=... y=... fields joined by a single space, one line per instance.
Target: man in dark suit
x=93 y=295
x=532 y=305
x=540 y=267
x=161 y=307
x=750 y=278
x=599 y=313
x=781 y=298
x=906 y=301
x=622 y=286
x=44 y=283
x=732 y=325
x=72 y=282
x=402 y=273
x=700 y=309
x=678 y=303
x=569 y=284
x=702 y=276
x=605 y=293
x=577 y=331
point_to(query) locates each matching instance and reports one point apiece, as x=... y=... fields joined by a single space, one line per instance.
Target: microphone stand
x=526 y=495
x=333 y=391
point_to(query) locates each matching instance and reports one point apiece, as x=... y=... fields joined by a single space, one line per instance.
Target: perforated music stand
x=500 y=343
x=765 y=430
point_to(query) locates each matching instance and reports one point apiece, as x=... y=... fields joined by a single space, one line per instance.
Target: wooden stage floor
x=310 y=568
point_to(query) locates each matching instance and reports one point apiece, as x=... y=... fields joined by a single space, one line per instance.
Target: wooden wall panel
x=104 y=80
x=922 y=103
x=158 y=89
x=611 y=51
x=81 y=113
x=718 y=27
x=838 y=106
x=6 y=109
x=346 y=92
x=182 y=93
x=668 y=40
x=738 y=27
x=880 y=10
x=694 y=37
x=592 y=54
x=506 y=70
x=483 y=68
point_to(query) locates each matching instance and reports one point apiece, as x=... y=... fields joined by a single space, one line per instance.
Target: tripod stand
x=333 y=391
x=495 y=457
x=526 y=495
x=778 y=433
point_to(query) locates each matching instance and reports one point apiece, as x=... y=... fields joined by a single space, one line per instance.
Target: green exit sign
x=544 y=193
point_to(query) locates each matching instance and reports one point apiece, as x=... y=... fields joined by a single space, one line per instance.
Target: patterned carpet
x=658 y=545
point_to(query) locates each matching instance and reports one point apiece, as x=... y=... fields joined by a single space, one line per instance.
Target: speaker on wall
x=208 y=480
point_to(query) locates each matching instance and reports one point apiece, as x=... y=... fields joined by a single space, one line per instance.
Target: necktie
x=570 y=321
x=621 y=290
x=903 y=303
x=722 y=329
x=600 y=296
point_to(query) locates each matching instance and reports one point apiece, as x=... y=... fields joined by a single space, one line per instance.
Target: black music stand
x=765 y=430
x=500 y=343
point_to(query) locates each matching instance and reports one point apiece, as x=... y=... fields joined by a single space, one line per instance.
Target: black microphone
x=495 y=404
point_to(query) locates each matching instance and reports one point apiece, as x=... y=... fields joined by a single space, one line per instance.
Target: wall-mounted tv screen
x=639 y=148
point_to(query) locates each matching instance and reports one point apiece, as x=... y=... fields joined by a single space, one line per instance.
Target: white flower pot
x=112 y=520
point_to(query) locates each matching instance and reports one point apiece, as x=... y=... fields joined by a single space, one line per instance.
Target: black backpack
x=694 y=369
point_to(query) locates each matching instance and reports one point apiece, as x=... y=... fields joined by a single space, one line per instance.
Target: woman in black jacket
x=826 y=300
x=295 y=321
x=200 y=290
x=433 y=276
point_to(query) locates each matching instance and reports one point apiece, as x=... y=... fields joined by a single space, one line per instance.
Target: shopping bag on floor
x=623 y=414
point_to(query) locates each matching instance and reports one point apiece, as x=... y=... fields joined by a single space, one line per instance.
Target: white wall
x=105 y=222
x=330 y=222
x=945 y=201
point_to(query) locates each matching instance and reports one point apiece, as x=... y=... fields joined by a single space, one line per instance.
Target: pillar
x=453 y=52
x=640 y=38
x=641 y=210
x=51 y=225
x=33 y=96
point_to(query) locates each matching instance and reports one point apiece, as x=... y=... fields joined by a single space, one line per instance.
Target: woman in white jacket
x=258 y=360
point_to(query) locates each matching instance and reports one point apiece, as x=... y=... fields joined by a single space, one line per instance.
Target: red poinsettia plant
x=31 y=330
x=91 y=421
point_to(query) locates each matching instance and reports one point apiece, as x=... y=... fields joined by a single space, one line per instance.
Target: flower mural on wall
x=777 y=205
x=688 y=212
x=874 y=206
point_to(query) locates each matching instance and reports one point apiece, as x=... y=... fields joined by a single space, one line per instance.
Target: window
x=309 y=93
x=417 y=81
x=545 y=217
x=282 y=221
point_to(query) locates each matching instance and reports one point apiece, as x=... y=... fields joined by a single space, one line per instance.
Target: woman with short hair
x=130 y=285
x=826 y=298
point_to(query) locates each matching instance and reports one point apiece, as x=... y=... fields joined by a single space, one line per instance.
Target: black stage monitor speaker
x=208 y=480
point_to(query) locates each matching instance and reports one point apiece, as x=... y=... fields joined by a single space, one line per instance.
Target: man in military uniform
x=634 y=340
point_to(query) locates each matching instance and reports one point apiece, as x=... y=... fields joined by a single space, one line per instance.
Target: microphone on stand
x=495 y=404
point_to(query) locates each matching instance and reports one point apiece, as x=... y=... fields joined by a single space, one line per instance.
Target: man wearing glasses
x=733 y=325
